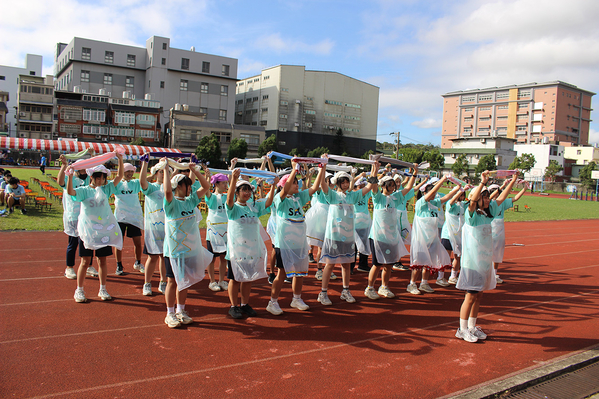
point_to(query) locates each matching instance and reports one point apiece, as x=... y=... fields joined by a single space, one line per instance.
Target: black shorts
x=145 y=251
x=209 y=248
x=100 y=253
x=168 y=267
x=230 y=274
x=375 y=261
x=447 y=244
x=132 y=231
x=472 y=292
x=279 y=263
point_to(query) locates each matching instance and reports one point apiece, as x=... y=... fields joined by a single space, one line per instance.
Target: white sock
x=170 y=310
x=471 y=322
x=102 y=287
x=370 y=287
x=274 y=300
x=463 y=324
x=383 y=286
x=423 y=281
x=411 y=282
x=441 y=275
x=454 y=273
x=243 y=304
x=296 y=296
x=79 y=288
x=180 y=307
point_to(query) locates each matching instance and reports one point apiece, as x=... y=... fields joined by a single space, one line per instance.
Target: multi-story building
x=35 y=119
x=169 y=75
x=581 y=156
x=187 y=129
x=98 y=117
x=474 y=149
x=305 y=109
x=544 y=154
x=9 y=82
x=4 y=97
x=536 y=113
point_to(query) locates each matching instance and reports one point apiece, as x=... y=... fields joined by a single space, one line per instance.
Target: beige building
x=187 y=129
x=536 y=113
x=305 y=109
x=4 y=96
x=474 y=149
x=35 y=115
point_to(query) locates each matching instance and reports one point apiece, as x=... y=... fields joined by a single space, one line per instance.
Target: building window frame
x=109 y=57
x=183 y=84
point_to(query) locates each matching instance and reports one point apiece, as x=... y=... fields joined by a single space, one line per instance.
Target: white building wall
x=10 y=84
x=543 y=155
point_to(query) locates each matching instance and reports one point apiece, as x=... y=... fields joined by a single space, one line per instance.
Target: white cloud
x=275 y=42
x=427 y=123
x=593 y=136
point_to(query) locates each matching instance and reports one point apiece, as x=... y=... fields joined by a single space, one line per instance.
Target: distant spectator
x=43 y=164
x=5 y=178
x=15 y=193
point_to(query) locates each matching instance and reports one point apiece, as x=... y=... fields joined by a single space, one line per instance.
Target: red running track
x=404 y=347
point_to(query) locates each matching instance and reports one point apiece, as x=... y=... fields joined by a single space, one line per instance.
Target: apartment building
x=306 y=108
x=188 y=128
x=502 y=148
x=157 y=71
x=99 y=117
x=9 y=82
x=35 y=98
x=4 y=97
x=536 y=113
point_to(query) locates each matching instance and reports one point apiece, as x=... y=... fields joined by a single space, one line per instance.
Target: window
x=254 y=98
x=129 y=80
x=310 y=112
x=86 y=53
x=353 y=105
x=185 y=63
x=468 y=130
x=251 y=139
x=523 y=93
x=485 y=108
x=95 y=115
x=287 y=90
x=484 y=118
x=204 y=88
x=130 y=60
x=162 y=84
x=2 y=77
x=205 y=67
x=332 y=102
x=283 y=116
x=502 y=118
x=84 y=76
x=265 y=97
x=224 y=90
x=127 y=118
x=225 y=70
x=485 y=97
x=144 y=119
x=468 y=99
x=503 y=95
x=468 y=109
x=222 y=115
x=163 y=61
x=164 y=46
x=264 y=110
x=521 y=128
x=284 y=103
x=502 y=106
x=523 y=106
x=109 y=57
x=183 y=85
x=107 y=78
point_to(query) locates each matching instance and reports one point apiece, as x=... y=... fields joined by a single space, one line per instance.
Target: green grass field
x=541 y=208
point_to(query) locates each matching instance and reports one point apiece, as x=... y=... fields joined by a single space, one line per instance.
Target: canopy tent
x=131 y=151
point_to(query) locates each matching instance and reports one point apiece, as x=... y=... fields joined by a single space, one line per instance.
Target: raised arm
x=205 y=184
x=168 y=188
x=233 y=163
x=208 y=176
x=287 y=187
x=324 y=187
x=143 y=175
x=271 y=193
x=451 y=194
x=63 y=167
x=352 y=181
x=457 y=195
x=373 y=173
x=475 y=194
x=317 y=182
x=508 y=189
x=421 y=183
x=410 y=184
x=232 y=184
x=70 y=189
x=121 y=171
x=431 y=194
x=519 y=195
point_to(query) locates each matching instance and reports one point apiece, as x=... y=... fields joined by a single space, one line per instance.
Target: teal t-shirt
x=212 y=202
x=292 y=207
x=128 y=192
x=351 y=197
x=505 y=205
x=182 y=217
x=152 y=202
x=423 y=209
x=382 y=201
x=362 y=205
x=476 y=219
x=71 y=208
x=402 y=204
x=83 y=193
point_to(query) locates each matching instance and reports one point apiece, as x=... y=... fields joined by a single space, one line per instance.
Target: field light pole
x=397 y=143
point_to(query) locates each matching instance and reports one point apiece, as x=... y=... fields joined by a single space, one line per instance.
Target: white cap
x=385 y=180
x=176 y=179
x=340 y=175
x=242 y=182
x=99 y=168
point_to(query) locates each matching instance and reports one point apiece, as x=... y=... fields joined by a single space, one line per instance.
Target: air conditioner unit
x=298 y=102
x=111 y=138
x=98 y=137
x=483 y=141
x=129 y=138
x=74 y=136
x=104 y=139
x=22 y=114
x=296 y=124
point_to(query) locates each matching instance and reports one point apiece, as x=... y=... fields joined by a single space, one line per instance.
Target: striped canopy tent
x=131 y=151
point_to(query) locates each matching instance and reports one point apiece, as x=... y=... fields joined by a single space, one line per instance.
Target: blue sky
x=414 y=51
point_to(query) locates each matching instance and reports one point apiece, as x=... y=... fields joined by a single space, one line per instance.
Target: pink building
x=535 y=113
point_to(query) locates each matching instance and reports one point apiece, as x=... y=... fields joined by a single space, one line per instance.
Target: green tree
x=525 y=162
x=270 y=144
x=410 y=154
x=297 y=152
x=435 y=158
x=338 y=142
x=585 y=175
x=209 y=150
x=367 y=154
x=460 y=166
x=138 y=141
x=486 y=163
x=317 y=152
x=237 y=149
x=553 y=169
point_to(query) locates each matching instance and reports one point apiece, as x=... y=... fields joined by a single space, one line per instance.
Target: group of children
x=11 y=192
x=338 y=229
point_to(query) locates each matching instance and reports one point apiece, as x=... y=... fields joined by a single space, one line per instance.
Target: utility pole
x=396 y=134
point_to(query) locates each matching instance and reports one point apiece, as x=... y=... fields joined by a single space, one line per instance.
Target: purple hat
x=218 y=178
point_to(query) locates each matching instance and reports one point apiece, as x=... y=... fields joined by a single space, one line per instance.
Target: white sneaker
x=162 y=287
x=371 y=293
x=214 y=286
x=478 y=332
x=183 y=317
x=147 y=290
x=498 y=280
x=138 y=266
x=172 y=321
x=80 y=296
x=224 y=286
x=413 y=289
x=69 y=273
x=466 y=335
x=426 y=288
x=347 y=296
x=386 y=292
x=274 y=308
x=333 y=276
x=298 y=303
x=443 y=283
x=453 y=280
x=323 y=298
x=92 y=272
x=104 y=295
x=318 y=275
